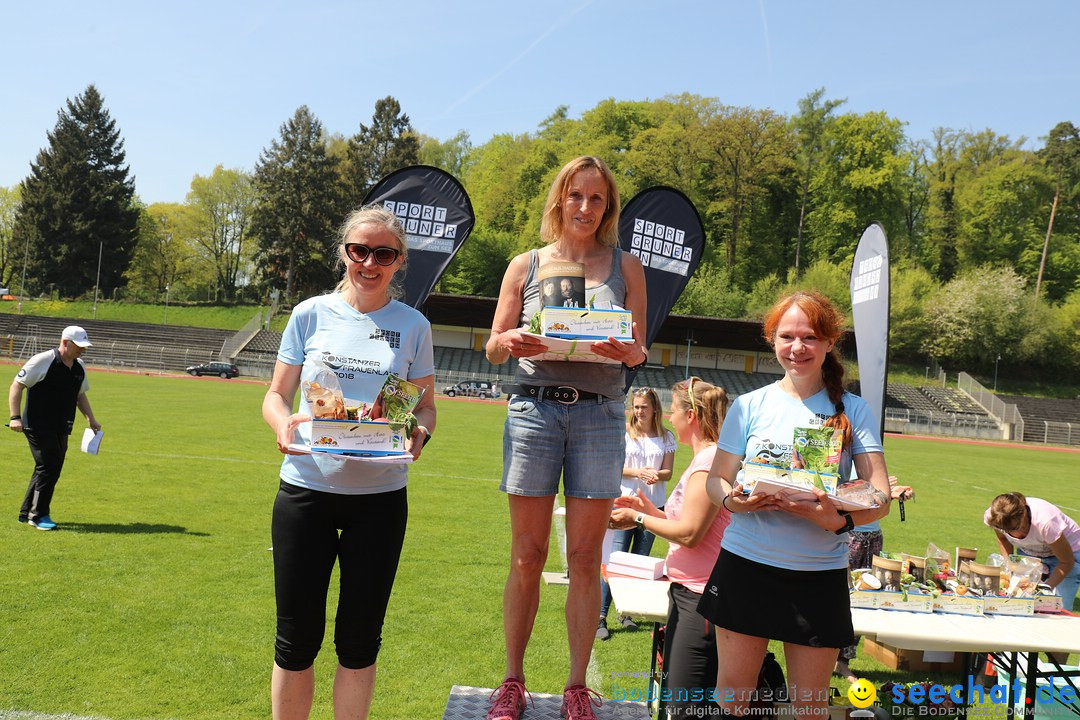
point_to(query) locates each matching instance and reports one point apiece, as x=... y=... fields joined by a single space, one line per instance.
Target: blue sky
x=198 y=83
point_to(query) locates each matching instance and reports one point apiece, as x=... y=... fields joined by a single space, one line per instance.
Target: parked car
x=473 y=388
x=221 y=369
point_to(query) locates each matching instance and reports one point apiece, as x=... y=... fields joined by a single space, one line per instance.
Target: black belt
x=564 y=393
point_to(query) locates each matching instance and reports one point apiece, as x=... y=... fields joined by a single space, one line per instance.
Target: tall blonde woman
x=650 y=455
x=695 y=527
x=330 y=510
x=564 y=419
x=793 y=553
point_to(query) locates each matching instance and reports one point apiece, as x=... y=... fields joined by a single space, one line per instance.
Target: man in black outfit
x=56 y=384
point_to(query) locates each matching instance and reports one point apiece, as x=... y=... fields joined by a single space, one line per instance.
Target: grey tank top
x=600 y=378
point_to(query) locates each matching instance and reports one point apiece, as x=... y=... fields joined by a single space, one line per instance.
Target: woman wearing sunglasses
x=564 y=420
x=650 y=455
x=694 y=526
x=330 y=509
x=1038 y=528
x=790 y=553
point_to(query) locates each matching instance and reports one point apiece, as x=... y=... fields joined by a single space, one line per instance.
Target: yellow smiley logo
x=862 y=693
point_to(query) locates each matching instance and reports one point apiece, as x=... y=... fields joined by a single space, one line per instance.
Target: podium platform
x=471 y=703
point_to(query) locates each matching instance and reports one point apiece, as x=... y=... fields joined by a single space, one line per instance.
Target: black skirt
x=805 y=607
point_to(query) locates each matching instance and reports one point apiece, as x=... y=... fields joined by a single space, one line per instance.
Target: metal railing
x=1005 y=413
x=243 y=336
x=1055 y=433
x=952 y=424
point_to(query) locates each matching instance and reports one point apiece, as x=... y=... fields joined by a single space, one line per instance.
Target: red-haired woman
x=789 y=555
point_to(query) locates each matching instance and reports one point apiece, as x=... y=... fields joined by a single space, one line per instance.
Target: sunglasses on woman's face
x=383 y=255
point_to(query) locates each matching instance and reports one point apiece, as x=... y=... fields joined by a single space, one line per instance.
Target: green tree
x=374 y=152
x=449 y=155
x=78 y=203
x=907 y=240
x=750 y=150
x=810 y=127
x=1068 y=322
x=939 y=253
x=479 y=266
x=1062 y=156
x=165 y=255
x=910 y=286
x=858 y=183
x=225 y=203
x=673 y=151
x=763 y=295
x=711 y=292
x=999 y=206
x=297 y=209
x=490 y=177
x=975 y=316
x=11 y=254
x=832 y=280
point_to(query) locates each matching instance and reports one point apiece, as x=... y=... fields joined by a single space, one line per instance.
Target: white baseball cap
x=75 y=334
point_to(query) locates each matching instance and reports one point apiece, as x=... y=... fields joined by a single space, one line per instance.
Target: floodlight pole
x=689 y=341
x=995 y=370
x=166 y=303
x=97 y=280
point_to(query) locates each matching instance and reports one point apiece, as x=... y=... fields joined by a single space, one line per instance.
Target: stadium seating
x=952 y=400
x=120 y=344
x=1048 y=419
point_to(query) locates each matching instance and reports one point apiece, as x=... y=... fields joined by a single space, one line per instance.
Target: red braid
x=832 y=371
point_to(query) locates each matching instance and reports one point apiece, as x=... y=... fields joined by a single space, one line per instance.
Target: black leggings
x=690 y=661
x=306 y=543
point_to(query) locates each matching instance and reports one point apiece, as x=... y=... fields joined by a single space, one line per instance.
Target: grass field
x=155 y=598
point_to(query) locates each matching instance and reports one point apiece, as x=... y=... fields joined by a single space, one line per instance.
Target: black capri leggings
x=306 y=543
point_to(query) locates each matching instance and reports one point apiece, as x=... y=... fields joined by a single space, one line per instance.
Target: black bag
x=771 y=687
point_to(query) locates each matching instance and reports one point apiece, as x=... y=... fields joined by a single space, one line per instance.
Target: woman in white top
x=650 y=455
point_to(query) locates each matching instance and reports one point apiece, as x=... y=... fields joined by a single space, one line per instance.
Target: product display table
x=1015 y=641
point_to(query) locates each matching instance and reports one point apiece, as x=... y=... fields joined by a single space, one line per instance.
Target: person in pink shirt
x=1038 y=528
x=694 y=526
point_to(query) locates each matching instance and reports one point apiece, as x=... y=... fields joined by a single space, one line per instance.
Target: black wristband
x=16 y=417
x=635 y=367
x=724 y=502
x=849 y=524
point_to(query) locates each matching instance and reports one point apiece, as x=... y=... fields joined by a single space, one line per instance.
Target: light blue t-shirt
x=362 y=349
x=760 y=427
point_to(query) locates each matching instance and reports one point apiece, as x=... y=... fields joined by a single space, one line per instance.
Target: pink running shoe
x=577 y=705
x=508 y=700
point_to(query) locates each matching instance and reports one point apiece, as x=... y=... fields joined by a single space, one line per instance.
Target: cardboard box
x=994 y=605
x=916 y=602
x=959 y=604
x=864 y=598
x=641 y=566
x=754 y=472
x=376 y=438
x=586 y=323
x=1048 y=604
x=912 y=660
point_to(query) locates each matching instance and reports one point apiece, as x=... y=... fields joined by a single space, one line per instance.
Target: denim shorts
x=584 y=443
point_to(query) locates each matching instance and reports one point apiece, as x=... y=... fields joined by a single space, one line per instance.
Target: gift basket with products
x=347 y=426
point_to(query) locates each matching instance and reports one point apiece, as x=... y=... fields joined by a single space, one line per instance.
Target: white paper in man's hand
x=91 y=441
